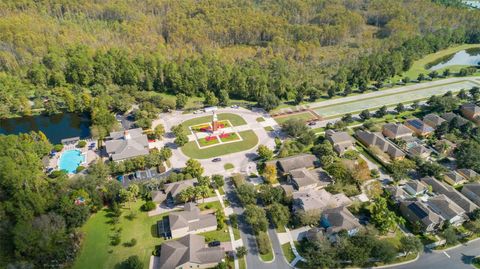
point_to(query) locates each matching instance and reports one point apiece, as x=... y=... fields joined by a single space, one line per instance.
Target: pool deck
x=90 y=156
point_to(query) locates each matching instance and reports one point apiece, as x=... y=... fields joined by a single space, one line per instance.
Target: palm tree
x=203 y=192
x=183 y=196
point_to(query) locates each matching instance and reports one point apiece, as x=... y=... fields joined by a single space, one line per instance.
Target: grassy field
x=306 y=116
x=419 y=66
x=287 y=252
x=250 y=139
x=193 y=102
x=96 y=250
x=234 y=119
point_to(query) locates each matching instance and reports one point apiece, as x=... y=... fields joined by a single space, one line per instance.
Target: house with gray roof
x=312 y=200
x=304 y=160
x=453 y=178
x=334 y=220
x=341 y=141
x=396 y=131
x=416 y=212
x=397 y=193
x=450 y=116
x=471 y=112
x=419 y=127
x=472 y=192
x=171 y=190
x=191 y=220
x=415 y=188
x=126 y=144
x=433 y=120
x=450 y=211
x=458 y=198
x=189 y=251
x=468 y=173
x=303 y=178
x=419 y=151
x=377 y=140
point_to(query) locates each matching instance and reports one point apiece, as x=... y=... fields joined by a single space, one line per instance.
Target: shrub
x=58 y=147
x=131 y=243
x=148 y=206
x=81 y=144
x=115 y=240
x=57 y=173
x=80 y=169
x=238 y=180
x=263 y=243
x=133 y=262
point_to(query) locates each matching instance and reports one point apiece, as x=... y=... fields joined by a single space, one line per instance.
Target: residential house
x=415 y=188
x=126 y=144
x=191 y=220
x=419 y=151
x=337 y=219
x=397 y=193
x=288 y=164
x=312 y=200
x=419 y=127
x=377 y=140
x=472 y=192
x=468 y=173
x=471 y=112
x=445 y=147
x=341 y=141
x=453 y=178
x=446 y=208
x=433 y=120
x=303 y=179
x=450 y=116
x=171 y=191
x=451 y=193
x=416 y=212
x=189 y=251
x=397 y=131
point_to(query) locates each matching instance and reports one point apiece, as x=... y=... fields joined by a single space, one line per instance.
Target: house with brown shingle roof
x=451 y=212
x=396 y=131
x=415 y=187
x=341 y=141
x=419 y=151
x=471 y=112
x=468 y=173
x=433 y=120
x=370 y=139
x=303 y=179
x=191 y=220
x=334 y=220
x=318 y=200
x=450 y=116
x=419 y=127
x=453 y=178
x=189 y=251
x=288 y=164
x=415 y=211
x=172 y=190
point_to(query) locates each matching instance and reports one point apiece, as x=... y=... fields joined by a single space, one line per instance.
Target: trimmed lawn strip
x=269 y=256
x=228 y=166
x=234 y=119
x=281 y=229
x=217 y=235
x=288 y=252
x=268 y=128
x=236 y=233
x=250 y=139
x=260 y=119
x=302 y=116
x=96 y=251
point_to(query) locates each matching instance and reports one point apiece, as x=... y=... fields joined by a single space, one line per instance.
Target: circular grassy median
x=249 y=141
x=234 y=119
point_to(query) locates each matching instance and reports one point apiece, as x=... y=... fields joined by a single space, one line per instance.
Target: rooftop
x=127 y=144
x=288 y=164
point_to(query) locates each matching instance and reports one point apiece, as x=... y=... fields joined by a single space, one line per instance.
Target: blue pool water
x=70 y=160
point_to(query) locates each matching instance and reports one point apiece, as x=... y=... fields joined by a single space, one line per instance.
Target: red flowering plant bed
x=226 y=137
x=207 y=141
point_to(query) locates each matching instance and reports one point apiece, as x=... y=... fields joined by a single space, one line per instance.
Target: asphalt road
x=456 y=258
x=253 y=257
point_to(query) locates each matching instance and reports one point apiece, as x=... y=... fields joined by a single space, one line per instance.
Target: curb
x=456 y=246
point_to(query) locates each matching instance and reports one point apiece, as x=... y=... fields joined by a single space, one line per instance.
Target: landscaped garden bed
x=229 y=137
x=208 y=141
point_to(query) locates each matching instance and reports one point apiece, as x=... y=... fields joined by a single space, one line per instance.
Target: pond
x=55 y=127
x=463 y=57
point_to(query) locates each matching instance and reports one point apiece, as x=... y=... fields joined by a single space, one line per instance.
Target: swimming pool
x=70 y=160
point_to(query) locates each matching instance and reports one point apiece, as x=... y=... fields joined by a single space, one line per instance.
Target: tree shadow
x=467 y=259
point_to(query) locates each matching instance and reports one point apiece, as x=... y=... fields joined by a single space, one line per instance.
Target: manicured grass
x=230 y=137
x=203 y=141
x=281 y=229
x=241 y=263
x=228 y=166
x=218 y=235
x=236 y=233
x=268 y=128
x=96 y=251
x=249 y=141
x=419 y=66
x=221 y=191
x=211 y=205
x=234 y=119
x=269 y=255
x=306 y=116
x=260 y=119
x=395 y=239
x=287 y=252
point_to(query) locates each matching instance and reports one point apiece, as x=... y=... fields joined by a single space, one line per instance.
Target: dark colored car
x=214 y=244
x=311 y=123
x=216 y=160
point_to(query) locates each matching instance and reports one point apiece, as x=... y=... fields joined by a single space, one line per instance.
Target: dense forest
x=62 y=55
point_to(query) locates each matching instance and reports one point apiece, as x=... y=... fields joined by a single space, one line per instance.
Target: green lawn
x=269 y=256
x=268 y=128
x=96 y=251
x=218 y=235
x=306 y=116
x=236 y=233
x=287 y=252
x=231 y=137
x=249 y=141
x=281 y=229
x=476 y=262
x=419 y=66
x=203 y=142
x=228 y=166
x=234 y=119
x=260 y=119
x=193 y=102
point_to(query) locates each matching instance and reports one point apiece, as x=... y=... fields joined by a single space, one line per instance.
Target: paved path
x=242 y=161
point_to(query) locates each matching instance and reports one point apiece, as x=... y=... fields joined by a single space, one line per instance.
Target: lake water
x=55 y=127
x=475 y=4
x=463 y=57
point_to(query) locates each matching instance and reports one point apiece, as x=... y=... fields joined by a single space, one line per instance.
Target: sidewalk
x=298 y=257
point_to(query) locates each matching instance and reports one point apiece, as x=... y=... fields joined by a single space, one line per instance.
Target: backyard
x=97 y=252
x=249 y=137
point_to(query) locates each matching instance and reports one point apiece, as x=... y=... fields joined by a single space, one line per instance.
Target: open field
x=249 y=137
x=234 y=119
x=96 y=250
x=390 y=98
x=419 y=66
x=306 y=116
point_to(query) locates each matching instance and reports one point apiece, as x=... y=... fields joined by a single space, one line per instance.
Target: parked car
x=214 y=244
x=312 y=123
x=235 y=106
x=216 y=160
